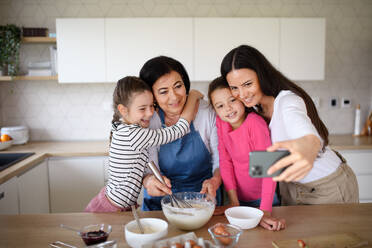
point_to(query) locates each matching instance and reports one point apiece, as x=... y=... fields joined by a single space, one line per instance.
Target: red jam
x=95 y=237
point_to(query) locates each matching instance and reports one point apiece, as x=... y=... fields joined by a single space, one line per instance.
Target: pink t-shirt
x=234 y=147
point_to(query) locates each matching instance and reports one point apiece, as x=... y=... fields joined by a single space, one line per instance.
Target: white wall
x=79 y=112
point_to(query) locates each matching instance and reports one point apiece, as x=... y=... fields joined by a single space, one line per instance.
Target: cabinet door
x=81 y=50
x=302 y=48
x=360 y=162
x=130 y=42
x=215 y=37
x=9 y=197
x=74 y=182
x=33 y=187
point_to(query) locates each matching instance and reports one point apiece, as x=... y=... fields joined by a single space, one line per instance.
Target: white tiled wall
x=79 y=112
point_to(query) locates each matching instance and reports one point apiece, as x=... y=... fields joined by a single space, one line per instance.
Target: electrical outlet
x=345 y=103
x=333 y=102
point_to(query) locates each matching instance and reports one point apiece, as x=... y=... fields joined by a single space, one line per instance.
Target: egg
x=192 y=242
x=221 y=230
x=177 y=245
x=225 y=240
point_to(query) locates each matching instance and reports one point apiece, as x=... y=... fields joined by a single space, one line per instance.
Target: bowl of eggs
x=225 y=235
x=189 y=218
x=154 y=229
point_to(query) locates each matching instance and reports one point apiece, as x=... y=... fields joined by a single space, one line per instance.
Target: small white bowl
x=136 y=239
x=244 y=217
x=6 y=144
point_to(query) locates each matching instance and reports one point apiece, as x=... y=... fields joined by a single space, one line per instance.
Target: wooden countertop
x=302 y=221
x=44 y=150
x=100 y=148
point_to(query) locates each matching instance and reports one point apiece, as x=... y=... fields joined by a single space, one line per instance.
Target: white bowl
x=189 y=218
x=244 y=217
x=135 y=239
x=6 y=144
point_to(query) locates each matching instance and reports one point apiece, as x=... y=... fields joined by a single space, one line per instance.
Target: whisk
x=174 y=201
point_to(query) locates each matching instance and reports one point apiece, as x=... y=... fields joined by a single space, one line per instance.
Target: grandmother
x=191 y=162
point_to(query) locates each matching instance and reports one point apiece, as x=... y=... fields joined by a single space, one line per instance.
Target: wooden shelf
x=38 y=40
x=33 y=78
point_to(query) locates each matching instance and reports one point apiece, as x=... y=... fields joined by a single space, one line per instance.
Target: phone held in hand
x=261 y=161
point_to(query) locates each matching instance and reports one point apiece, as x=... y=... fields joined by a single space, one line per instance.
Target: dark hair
x=157 y=67
x=216 y=84
x=124 y=90
x=271 y=80
x=221 y=83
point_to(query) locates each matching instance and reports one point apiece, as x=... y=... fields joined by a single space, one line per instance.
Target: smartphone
x=261 y=161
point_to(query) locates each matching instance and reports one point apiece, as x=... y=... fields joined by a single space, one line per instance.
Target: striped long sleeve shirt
x=128 y=156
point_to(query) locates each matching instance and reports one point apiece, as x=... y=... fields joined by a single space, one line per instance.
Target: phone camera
x=256 y=170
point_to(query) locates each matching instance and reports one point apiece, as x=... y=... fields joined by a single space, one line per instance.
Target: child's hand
x=192 y=105
x=210 y=186
x=270 y=223
x=195 y=94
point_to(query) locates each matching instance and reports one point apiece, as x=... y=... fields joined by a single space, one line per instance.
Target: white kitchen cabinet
x=130 y=42
x=360 y=162
x=215 y=37
x=9 y=197
x=74 y=182
x=302 y=48
x=33 y=188
x=81 y=50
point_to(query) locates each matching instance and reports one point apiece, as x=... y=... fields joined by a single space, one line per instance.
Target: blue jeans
x=256 y=203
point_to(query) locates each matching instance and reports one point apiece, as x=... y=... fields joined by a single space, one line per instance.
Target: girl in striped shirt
x=130 y=139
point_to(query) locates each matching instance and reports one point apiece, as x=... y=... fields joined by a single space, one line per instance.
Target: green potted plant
x=10 y=39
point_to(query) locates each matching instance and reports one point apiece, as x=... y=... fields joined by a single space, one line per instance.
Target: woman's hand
x=270 y=223
x=211 y=185
x=155 y=188
x=303 y=151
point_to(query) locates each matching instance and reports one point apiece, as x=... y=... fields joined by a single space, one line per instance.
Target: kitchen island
x=302 y=221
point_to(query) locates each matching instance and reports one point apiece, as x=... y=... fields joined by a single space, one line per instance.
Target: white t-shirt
x=204 y=123
x=290 y=121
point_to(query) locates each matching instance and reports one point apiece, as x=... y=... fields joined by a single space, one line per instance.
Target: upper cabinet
x=215 y=37
x=107 y=49
x=81 y=50
x=302 y=48
x=130 y=42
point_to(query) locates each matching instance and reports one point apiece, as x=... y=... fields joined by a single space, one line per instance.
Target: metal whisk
x=174 y=201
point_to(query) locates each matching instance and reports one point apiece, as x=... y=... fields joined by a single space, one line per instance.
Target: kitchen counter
x=302 y=221
x=100 y=148
x=44 y=150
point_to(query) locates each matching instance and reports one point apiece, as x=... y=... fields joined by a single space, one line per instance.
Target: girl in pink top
x=241 y=130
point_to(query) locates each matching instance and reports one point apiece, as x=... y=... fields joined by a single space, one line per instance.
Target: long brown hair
x=124 y=90
x=271 y=81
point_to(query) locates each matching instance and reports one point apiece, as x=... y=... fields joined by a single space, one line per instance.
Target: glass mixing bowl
x=189 y=218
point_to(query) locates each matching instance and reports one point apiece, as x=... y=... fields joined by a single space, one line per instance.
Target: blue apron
x=185 y=161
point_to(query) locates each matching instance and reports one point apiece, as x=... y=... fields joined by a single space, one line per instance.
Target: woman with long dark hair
x=314 y=173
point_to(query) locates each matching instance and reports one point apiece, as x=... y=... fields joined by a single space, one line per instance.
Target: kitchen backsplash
x=56 y=111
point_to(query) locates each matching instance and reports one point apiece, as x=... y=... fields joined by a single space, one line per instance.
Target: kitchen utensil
x=110 y=243
x=348 y=240
x=137 y=219
x=155 y=229
x=244 y=217
x=71 y=229
x=59 y=244
x=174 y=200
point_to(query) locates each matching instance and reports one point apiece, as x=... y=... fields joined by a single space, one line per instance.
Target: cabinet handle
x=2 y=194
